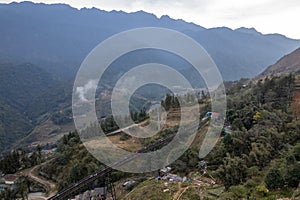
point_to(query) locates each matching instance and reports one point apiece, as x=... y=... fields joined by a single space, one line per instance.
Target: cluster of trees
x=139 y=116
x=272 y=95
x=188 y=162
x=109 y=124
x=264 y=129
x=20 y=159
x=61 y=118
x=72 y=163
x=262 y=152
x=23 y=186
x=19 y=192
x=169 y=102
x=12 y=125
x=286 y=171
x=172 y=101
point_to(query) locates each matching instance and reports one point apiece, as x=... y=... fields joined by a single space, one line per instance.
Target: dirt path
x=49 y=185
x=178 y=193
x=181 y=191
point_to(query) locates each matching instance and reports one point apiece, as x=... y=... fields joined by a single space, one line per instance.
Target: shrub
x=262 y=190
x=239 y=191
x=274 y=179
x=293 y=175
x=251 y=183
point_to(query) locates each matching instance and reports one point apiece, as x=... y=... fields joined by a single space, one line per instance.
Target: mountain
x=58 y=37
x=243 y=54
x=248 y=31
x=13 y=125
x=288 y=64
x=20 y=84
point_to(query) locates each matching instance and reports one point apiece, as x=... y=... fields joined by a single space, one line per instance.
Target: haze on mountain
x=58 y=38
x=42 y=47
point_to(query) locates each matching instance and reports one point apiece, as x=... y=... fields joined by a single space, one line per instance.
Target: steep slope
x=288 y=64
x=13 y=125
x=19 y=86
x=21 y=83
x=59 y=37
x=243 y=54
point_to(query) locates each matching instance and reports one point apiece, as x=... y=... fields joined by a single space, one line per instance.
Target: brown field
x=131 y=144
x=45 y=133
x=297 y=96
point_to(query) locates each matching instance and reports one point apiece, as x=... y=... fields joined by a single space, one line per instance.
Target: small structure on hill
x=165 y=170
x=10 y=179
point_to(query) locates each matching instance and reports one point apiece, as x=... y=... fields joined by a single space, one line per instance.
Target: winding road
x=48 y=185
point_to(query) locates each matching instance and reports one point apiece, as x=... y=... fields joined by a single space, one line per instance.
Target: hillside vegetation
x=258 y=158
x=261 y=155
x=20 y=84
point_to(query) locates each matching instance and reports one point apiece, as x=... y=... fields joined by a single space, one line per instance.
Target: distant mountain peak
x=223 y=28
x=30 y=3
x=165 y=17
x=248 y=30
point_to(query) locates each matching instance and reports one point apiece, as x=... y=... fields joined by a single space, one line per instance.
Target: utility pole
x=109 y=188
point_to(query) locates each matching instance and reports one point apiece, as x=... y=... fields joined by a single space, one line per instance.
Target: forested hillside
x=57 y=38
x=13 y=125
x=262 y=153
x=21 y=83
x=19 y=86
x=259 y=157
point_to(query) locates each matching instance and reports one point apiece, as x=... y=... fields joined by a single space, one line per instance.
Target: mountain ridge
x=289 y=63
x=58 y=37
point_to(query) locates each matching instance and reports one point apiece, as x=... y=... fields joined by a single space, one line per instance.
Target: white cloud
x=268 y=16
x=85 y=92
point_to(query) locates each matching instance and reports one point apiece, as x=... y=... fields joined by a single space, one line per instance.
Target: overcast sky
x=267 y=16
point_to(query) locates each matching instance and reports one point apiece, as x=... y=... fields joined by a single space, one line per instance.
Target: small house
x=166 y=170
x=10 y=179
